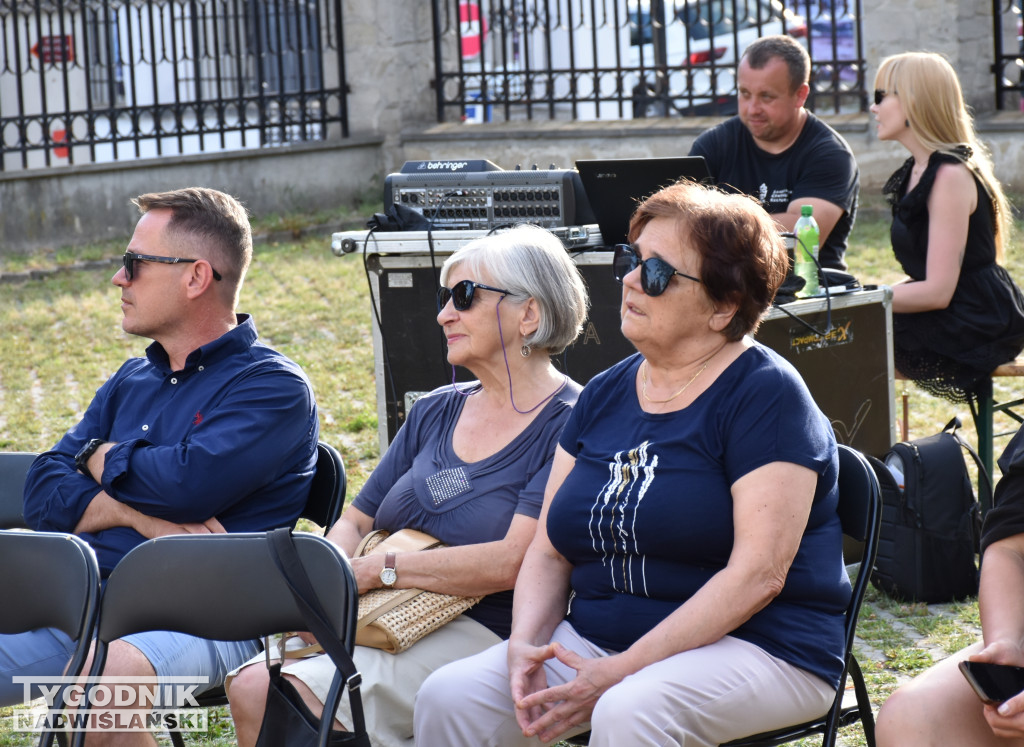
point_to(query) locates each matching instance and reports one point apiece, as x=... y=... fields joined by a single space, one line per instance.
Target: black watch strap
x=83 y=455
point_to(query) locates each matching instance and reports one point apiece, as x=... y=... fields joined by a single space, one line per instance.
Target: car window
x=750 y=13
x=705 y=18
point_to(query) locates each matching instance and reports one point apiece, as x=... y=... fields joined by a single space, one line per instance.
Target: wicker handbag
x=394 y=619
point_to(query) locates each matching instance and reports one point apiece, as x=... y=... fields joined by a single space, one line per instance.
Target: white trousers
x=706 y=696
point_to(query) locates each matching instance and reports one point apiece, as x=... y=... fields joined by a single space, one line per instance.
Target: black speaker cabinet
x=848 y=368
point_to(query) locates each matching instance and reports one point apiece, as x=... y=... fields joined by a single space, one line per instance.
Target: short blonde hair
x=208 y=224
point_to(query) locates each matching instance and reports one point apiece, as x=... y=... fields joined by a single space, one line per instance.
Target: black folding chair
x=13 y=469
x=50 y=580
x=327 y=494
x=224 y=587
x=326 y=500
x=860 y=514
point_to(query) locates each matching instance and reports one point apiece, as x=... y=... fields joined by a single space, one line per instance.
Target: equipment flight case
x=848 y=367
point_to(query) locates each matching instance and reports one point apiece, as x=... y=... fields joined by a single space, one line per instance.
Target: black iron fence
x=106 y=80
x=613 y=59
x=1008 y=33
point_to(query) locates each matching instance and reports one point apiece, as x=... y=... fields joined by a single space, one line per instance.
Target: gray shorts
x=181 y=655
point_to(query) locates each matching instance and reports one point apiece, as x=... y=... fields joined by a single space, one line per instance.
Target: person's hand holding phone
x=1000 y=685
x=993 y=683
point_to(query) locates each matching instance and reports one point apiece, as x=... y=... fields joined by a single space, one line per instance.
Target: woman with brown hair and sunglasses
x=468 y=467
x=689 y=524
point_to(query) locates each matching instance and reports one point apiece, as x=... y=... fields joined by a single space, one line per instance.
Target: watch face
x=388 y=576
x=83 y=455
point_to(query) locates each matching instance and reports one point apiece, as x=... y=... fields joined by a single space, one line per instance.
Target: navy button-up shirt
x=232 y=435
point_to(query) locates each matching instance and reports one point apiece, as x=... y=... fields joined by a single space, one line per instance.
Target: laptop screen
x=614 y=187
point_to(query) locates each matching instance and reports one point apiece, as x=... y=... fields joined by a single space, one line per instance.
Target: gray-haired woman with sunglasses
x=468 y=467
x=689 y=524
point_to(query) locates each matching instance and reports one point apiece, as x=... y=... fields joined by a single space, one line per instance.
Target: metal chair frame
x=324 y=506
x=860 y=513
x=222 y=587
x=52 y=580
x=13 y=469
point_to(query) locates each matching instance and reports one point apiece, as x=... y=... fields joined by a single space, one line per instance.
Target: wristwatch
x=82 y=457
x=388 y=576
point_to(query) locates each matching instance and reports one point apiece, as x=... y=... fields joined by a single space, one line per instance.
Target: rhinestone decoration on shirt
x=448 y=483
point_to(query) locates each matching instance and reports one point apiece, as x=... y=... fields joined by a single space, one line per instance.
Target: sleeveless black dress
x=951 y=352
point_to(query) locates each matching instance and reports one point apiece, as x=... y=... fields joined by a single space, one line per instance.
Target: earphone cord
x=508 y=371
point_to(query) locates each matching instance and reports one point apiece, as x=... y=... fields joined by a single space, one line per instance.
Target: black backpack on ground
x=930 y=528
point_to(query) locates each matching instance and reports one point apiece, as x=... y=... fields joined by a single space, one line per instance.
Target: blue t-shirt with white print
x=645 y=516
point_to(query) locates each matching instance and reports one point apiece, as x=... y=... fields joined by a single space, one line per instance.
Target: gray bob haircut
x=530 y=262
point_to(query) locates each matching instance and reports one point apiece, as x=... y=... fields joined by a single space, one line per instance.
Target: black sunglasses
x=880 y=95
x=655 y=273
x=461 y=294
x=130 y=258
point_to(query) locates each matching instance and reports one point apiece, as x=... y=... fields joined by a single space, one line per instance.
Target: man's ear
x=802 y=92
x=199 y=278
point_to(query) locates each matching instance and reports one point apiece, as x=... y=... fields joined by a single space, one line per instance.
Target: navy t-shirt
x=421 y=483
x=819 y=164
x=645 y=515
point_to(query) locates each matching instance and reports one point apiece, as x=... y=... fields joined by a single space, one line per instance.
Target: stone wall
x=80 y=204
x=543 y=144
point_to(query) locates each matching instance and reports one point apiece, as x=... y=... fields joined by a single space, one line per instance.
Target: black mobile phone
x=993 y=683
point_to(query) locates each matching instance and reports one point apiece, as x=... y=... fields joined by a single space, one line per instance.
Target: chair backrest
x=50 y=580
x=860 y=513
x=225 y=587
x=13 y=469
x=859 y=495
x=327 y=494
x=222 y=586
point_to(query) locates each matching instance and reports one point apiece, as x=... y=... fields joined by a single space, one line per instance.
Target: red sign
x=51 y=49
x=60 y=136
x=472 y=28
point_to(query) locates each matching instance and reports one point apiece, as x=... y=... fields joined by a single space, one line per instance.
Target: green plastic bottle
x=806 y=251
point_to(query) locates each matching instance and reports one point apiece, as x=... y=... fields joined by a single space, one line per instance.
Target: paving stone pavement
x=912 y=637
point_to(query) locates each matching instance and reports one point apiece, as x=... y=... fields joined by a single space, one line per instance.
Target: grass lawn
x=62 y=339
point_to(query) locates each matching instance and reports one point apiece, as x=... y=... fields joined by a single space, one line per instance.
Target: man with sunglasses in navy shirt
x=212 y=431
x=780 y=153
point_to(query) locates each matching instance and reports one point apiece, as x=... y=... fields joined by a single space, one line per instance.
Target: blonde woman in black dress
x=959 y=314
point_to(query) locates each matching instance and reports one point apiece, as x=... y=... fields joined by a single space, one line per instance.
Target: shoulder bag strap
x=952 y=426
x=282 y=549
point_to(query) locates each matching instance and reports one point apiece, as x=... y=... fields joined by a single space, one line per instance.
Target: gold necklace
x=643 y=386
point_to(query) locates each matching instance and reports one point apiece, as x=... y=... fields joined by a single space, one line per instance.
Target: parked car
x=833 y=50
x=703 y=41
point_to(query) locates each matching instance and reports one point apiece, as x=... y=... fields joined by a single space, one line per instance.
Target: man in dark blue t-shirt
x=780 y=153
